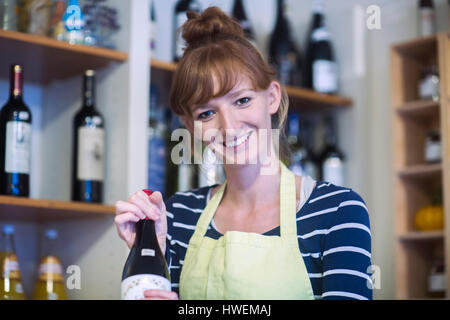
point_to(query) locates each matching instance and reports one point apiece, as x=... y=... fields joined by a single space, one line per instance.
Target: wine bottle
x=50 y=284
x=146 y=267
x=157 y=144
x=15 y=139
x=427 y=18
x=8 y=15
x=153 y=29
x=332 y=159
x=321 y=67
x=240 y=16
x=297 y=150
x=283 y=53
x=88 y=147
x=310 y=159
x=180 y=17
x=10 y=280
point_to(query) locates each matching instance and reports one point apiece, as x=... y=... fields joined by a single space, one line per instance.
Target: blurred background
x=369 y=86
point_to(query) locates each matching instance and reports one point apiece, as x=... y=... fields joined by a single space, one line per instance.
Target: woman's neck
x=248 y=188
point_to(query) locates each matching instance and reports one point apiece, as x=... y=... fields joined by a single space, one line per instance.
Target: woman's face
x=235 y=125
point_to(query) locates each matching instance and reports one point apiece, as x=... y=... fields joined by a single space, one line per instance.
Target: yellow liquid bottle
x=50 y=284
x=10 y=281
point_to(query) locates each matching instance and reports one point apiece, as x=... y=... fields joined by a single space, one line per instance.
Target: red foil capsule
x=149 y=193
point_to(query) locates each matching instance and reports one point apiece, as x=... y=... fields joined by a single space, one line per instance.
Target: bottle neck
x=280 y=10
x=16 y=82
x=8 y=244
x=48 y=247
x=146 y=234
x=88 y=91
x=238 y=10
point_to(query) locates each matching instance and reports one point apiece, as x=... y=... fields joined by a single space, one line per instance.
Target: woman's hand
x=155 y=294
x=138 y=207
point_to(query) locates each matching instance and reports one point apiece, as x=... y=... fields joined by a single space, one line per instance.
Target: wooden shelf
x=419 y=109
x=422 y=235
x=420 y=171
x=26 y=209
x=46 y=59
x=302 y=99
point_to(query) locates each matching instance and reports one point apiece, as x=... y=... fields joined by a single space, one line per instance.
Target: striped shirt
x=333 y=235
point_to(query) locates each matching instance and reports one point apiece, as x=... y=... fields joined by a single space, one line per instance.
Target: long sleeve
x=347 y=252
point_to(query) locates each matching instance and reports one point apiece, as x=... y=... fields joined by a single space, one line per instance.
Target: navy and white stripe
x=333 y=232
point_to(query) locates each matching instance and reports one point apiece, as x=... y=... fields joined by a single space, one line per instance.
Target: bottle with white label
x=88 y=147
x=10 y=280
x=15 y=140
x=332 y=159
x=321 y=67
x=50 y=284
x=146 y=267
x=180 y=17
x=427 y=18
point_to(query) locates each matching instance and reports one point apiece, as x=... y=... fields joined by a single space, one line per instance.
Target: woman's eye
x=243 y=101
x=204 y=115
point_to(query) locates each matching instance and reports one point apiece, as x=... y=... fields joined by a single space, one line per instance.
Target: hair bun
x=211 y=22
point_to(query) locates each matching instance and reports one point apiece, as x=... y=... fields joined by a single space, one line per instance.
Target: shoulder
x=187 y=203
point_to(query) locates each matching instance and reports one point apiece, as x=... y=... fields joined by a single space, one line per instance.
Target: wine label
x=325 y=76
x=181 y=18
x=133 y=287
x=10 y=267
x=148 y=252
x=90 y=153
x=320 y=34
x=51 y=269
x=18 y=147
x=333 y=171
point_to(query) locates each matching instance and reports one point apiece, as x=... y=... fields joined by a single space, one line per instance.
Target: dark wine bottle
x=153 y=30
x=240 y=16
x=146 y=267
x=88 y=147
x=15 y=139
x=321 y=68
x=283 y=53
x=180 y=17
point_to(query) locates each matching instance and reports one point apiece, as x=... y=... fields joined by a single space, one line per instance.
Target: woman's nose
x=228 y=120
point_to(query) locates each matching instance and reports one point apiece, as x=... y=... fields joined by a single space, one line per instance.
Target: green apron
x=242 y=265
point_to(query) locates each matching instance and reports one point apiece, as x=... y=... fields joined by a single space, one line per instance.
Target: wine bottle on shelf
x=283 y=53
x=8 y=15
x=180 y=17
x=153 y=29
x=310 y=160
x=50 y=284
x=240 y=16
x=332 y=159
x=11 y=287
x=296 y=164
x=157 y=144
x=15 y=139
x=321 y=67
x=427 y=18
x=88 y=147
x=146 y=267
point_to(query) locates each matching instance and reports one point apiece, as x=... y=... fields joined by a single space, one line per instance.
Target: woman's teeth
x=238 y=142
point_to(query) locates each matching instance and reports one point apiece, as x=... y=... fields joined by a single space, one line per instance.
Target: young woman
x=256 y=236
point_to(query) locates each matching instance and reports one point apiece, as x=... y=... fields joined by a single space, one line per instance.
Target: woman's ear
x=274 y=94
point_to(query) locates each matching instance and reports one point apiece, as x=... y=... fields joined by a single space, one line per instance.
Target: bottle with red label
x=11 y=287
x=50 y=284
x=146 y=267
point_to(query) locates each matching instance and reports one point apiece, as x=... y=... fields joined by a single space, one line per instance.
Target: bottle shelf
x=26 y=209
x=46 y=59
x=419 y=109
x=421 y=171
x=421 y=235
x=302 y=99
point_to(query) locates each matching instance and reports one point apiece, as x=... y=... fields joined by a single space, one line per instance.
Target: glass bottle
x=10 y=281
x=8 y=15
x=50 y=284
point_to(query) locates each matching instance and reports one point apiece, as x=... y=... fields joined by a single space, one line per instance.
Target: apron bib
x=241 y=265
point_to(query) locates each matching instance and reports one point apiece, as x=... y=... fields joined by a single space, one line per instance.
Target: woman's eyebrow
x=238 y=93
